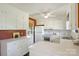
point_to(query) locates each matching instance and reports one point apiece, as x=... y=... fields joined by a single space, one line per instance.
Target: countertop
x=13 y=39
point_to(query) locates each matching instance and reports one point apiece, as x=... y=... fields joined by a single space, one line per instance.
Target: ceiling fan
x=46 y=15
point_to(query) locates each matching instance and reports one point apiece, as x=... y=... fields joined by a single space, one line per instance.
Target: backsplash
x=6 y=34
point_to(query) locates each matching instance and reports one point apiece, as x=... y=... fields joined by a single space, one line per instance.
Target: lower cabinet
x=14 y=48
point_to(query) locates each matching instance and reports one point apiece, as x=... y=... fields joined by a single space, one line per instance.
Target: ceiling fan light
x=46 y=16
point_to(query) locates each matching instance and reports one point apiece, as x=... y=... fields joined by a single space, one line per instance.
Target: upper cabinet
x=6 y=21
x=23 y=22
x=13 y=18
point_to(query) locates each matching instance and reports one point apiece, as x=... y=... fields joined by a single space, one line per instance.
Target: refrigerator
x=39 y=33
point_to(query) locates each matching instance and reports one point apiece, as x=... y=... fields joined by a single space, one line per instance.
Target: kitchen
x=30 y=28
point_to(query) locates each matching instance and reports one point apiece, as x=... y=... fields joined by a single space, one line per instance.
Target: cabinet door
x=22 y=22
x=17 y=48
x=2 y=24
x=10 y=24
x=7 y=24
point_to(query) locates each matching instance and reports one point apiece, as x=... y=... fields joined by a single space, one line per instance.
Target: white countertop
x=13 y=39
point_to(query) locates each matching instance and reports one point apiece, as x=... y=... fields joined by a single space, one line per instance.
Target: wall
x=53 y=23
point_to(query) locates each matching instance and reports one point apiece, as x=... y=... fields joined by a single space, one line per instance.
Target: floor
x=46 y=48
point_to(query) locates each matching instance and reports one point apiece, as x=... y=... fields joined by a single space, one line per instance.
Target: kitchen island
x=14 y=47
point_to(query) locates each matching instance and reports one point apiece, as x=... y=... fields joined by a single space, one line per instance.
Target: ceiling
x=36 y=9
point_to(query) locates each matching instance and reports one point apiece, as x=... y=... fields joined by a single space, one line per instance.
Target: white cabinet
x=7 y=24
x=39 y=32
x=30 y=39
x=7 y=20
x=22 y=22
x=10 y=24
x=13 y=18
x=1 y=24
x=14 y=47
x=13 y=24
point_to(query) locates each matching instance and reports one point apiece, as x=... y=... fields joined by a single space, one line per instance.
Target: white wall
x=53 y=23
x=12 y=18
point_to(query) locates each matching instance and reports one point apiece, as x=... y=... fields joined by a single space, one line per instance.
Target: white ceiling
x=35 y=9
